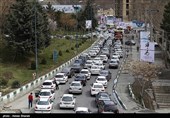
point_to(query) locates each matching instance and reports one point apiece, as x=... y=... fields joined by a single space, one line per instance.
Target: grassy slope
x=24 y=75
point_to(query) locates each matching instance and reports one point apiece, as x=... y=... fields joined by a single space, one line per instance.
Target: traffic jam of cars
x=97 y=63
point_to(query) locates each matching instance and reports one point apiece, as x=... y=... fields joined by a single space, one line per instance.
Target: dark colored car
x=82 y=78
x=79 y=61
x=107 y=106
x=130 y=42
x=106 y=73
x=77 y=67
x=68 y=71
x=101 y=96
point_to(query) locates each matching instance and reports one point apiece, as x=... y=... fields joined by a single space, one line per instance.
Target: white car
x=120 y=53
x=86 y=72
x=104 y=58
x=67 y=101
x=100 y=65
x=116 y=58
x=116 y=54
x=76 y=87
x=43 y=105
x=97 y=60
x=82 y=110
x=48 y=84
x=47 y=93
x=88 y=64
x=61 y=78
x=102 y=80
x=92 y=53
x=95 y=69
x=96 y=88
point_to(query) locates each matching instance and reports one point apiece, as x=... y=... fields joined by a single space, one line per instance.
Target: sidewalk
x=125 y=78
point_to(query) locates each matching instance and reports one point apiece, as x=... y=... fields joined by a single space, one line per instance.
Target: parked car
x=67 y=101
x=113 y=64
x=96 y=87
x=101 y=96
x=86 y=72
x=68 y=71
x=82 y=78
x=107 y=106
x=106 y=73
x=116 y=58
x=48 y=84
x=61 y=78
x=43 y=105
x=77 y=67
x=47 y=93
x=76 y=87
x=102 y=80
x=82 y=110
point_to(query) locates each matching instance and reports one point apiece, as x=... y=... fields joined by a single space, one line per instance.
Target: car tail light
x=73 y=103
x=50 y=96
x=48 y=107
x=93 y=89
x=79 y=88
x=52 y=86
x=36 y=107
x=102 y=89
x=60 y=102
x=41 y=86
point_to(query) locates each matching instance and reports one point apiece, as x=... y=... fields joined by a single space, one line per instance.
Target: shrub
x=33 y=65
x=43 y=61
x=76 y=45
x=60 y=53
x=72 y=48
x=67 y=51
x=3 y=82
x=15 y=84
x=7 y=75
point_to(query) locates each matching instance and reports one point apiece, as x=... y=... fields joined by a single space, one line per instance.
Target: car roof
x=101 y=77
x=43 y=90
x=84 y=70
x=108 y=102
x=43 y=99
x=76 y=82
x=60 y=74
x=97 y=84
x=48 y=81
x=81 y=109
x=104 y=70
x=70 y=95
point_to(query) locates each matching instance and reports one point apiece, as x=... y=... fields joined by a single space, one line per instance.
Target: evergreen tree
x=165 y=25
x=50 y=10
x=21 y=27
x=88 y=14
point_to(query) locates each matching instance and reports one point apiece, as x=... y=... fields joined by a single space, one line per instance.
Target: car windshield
x=47 y=83
x=67 y=98
x=104 y=96
x=79 y=77
x=75 y=84
x=101 y=79
x=110 y=108
x=44 y=93
x=84 y=72
x=98 y=86
x=113 y=61
x=42 y=103
x=65 y=70
x=75 y=65
x=59 y=76
x=103 y=72
x=88 y=62
x=76 y=61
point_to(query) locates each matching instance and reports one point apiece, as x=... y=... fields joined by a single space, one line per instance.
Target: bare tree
x=146 y=72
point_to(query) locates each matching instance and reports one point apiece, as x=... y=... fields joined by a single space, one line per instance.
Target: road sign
x=55 y=56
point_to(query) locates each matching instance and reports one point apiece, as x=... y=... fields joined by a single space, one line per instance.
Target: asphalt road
x=84 y=99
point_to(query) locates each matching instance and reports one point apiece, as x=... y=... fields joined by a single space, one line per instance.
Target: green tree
x=20 y=27
x=165 y=25
x=88 y=14
x=50 y=10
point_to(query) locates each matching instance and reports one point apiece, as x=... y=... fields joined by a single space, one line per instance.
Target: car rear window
x=110 y=108
x=47 y=83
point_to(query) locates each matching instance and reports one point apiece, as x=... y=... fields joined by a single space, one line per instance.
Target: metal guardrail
x=34 y=84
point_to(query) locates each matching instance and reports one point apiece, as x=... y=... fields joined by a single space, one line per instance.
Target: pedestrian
x=30 y=100
x=57 y=87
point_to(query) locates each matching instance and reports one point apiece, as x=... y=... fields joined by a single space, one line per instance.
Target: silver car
x=76 y=87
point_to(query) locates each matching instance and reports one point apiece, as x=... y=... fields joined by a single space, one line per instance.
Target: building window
x=127 y=1
x=127 y=13
x=127 y=6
